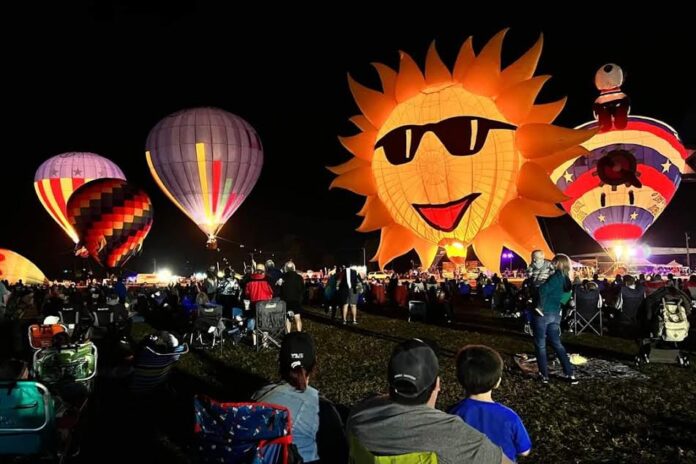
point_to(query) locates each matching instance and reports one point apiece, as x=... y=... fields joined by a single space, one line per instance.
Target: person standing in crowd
x=538 y=272
x=257 y=290
x=347 y=286
x=331 y=294
x=121 y=289
x=228 y=292
x=548 y=325
x=292 y=291
x=4 y=297
x=273 y=275
x=211 y=283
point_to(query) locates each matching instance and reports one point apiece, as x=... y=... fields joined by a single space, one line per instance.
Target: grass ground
x=597 y=421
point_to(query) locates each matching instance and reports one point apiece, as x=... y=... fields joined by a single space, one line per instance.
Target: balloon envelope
x=15 y=267
x=206 y=161
x=625 y=183
x=111 y=218
x=58 y=177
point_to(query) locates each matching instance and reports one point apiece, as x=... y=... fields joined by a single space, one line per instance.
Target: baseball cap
x=297 y=350
x=413 y=368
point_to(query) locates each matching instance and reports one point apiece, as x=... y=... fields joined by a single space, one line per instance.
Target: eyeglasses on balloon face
x=461 y=136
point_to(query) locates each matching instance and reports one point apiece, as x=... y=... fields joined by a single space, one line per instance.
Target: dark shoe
x=544 y=380
x=571 y=379
x=355 y=322
x=345 y=322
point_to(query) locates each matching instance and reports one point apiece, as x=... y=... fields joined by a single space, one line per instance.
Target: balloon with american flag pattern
x=58 y=177
x=618 y=190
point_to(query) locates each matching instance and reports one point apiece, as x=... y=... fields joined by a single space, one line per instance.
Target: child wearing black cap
x=479 y=371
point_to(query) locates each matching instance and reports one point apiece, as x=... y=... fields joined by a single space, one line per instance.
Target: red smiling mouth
x=446 y=217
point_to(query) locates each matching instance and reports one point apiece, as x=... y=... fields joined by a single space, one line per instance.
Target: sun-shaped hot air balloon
x=112 y=219
x=631 y=174
x=58 y=177
x=206 y=161
x=457 y=157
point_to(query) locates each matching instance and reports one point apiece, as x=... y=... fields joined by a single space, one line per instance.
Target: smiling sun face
x=452 y=158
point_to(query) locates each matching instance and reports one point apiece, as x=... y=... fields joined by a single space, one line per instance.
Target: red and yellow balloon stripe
x=53 y=194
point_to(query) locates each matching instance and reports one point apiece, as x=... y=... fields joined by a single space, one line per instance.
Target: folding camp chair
x=71 y=363
x=28 y=419
x=70 y=318
x=151 y=369
x=627 y=306
x=103 y=318
x=417 y=310
x=208 y=328
x=588 y=311
x=242 y=432
x=41 y=335
x=270 y=323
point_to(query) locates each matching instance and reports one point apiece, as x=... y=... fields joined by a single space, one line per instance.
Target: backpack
x=674 y=325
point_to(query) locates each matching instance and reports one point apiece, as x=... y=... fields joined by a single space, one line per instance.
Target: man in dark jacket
x=291 y=291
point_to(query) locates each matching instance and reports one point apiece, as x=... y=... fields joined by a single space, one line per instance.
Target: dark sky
x=97 y=79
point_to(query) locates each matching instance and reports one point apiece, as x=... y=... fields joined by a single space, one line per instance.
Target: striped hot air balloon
x=58 y=177
x=15 y=267
x=624 y=184
x=206 y=161
x=111 y=218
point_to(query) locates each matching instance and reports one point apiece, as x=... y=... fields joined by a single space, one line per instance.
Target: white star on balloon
x=568 y=177
x=666 y=165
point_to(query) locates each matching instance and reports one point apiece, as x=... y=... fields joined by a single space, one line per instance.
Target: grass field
x=612 y=421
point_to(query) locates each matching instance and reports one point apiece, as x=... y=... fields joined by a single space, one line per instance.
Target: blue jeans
x=549 y=326
x=251 y=322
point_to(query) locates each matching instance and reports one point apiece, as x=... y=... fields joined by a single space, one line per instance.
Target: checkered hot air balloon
x=111 y=218
x=625 y=183
x=58 y=177
x=206 y=161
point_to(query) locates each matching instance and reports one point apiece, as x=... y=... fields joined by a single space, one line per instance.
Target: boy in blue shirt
x=479 y=371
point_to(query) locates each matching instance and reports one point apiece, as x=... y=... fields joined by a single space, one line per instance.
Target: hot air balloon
x=624 y=184
x=58 y=177
x=456 y=157
x=206 y=161
x=111 y=218
x=15 y=267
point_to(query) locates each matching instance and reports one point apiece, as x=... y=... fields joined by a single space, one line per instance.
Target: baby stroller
x=664 y=326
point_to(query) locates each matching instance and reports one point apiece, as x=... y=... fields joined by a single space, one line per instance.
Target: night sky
x=99 y=78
